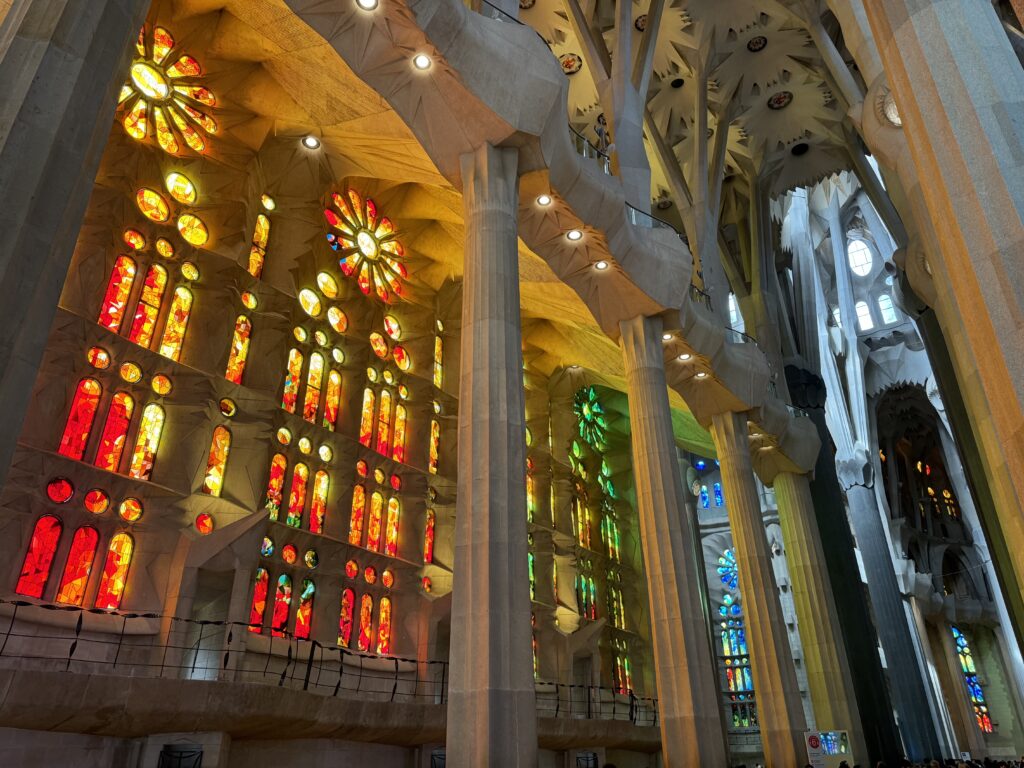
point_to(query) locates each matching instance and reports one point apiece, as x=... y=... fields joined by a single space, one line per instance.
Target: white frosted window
x=860 y=257
x=885 y=306
x=864 y=316
x=735 y=316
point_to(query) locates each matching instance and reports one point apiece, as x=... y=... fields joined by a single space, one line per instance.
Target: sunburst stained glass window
x=391 y=527
x=304 y=613
x=428 y=537
x=384 y=422
x=259 y=600
x=314 y=380
x=384 y=626
x=78 y=566
x=435 y=446
x=367 y=244
x=297 y=495
x=365 y=622
x=332 y=400
x=147 y=442
x=292 y=381
x=727 y=569
x=592 y=422
x=355 y=525
x=144 y=322
x=177 y=323
x=970 y=673
x=164 y=96
x=282 y=605
x=373 y=526
x=348 y=602
x=366 y=418
x=216 y=463
x=318 y=506
x=118 y=288
x=239 y=353
x=35 y=568
x=115 y=432
x=275 y=485
x=115 y=572
x=258 y=251
x=80 y=418
x=398 y=447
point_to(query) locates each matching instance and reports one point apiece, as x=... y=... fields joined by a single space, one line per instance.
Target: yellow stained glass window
x=355 y=525
x=258 y=251
x=384 y=422
x=373 y=527
x=216 y=463
x=177 y=323
x=435 y=446
x=239 y=352
x=366 y=418
x=328 y=285
x=391 y=528
x=146 y=312
x=147 y=442
x=438 y=361
x=310 y=302
x=314 y=380
x=398 y=448
x=332 y=400
x=193 y=229
x=115 y=572
x=152 y=205
x=292 y=381
x=318 y=506
x=181 y=188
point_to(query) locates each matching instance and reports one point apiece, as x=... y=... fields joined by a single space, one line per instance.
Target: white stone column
x=779 y=708
x=62 y=63
x=689 y=709
x=239 y=604
x=492 y=716
x=828 y=670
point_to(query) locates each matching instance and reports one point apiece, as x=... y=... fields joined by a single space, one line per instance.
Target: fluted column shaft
x=779 y=709
x=689 y=709
x=492 y=716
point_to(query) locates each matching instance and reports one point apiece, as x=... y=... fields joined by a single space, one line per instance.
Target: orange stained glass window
x=398 y=449
x=35 y=568
x=318 y=507
x=373 y=528
x=217 y=461
x=365 y=622
x=366 y=418
x=177 y=323
x=304 y=614
x=147 y=442
x=391 y=529
x=332 y=400
x=258 y=252
x=282 y=604
x=348 y=601
x=119 y=286
x=115 y=432
x=384 y=626
x=314 y=380
x=78 y=566
x=115 y=572
x=297 y=495
x=148 y=308
x=428 y=537
x=239 y=350
x=384 y=422
x=292 y=380
x=435 y=446
x=438 y=361
x=83 y=411
x=355 y=524
x=259 y=600
x=275 y=485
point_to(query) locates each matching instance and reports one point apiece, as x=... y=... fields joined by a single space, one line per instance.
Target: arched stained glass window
x=435 y=446
x=970 y=673
x=438 y=361
x=366 y=418
x=275 y=485
x=177 y=323
x=282 y=605
x=83 y=411
x=365 y=622
x=259 y=600
x=391 y=528
x=35 y=568
x=216 y=463
x=258 y=252
x=292 y=380
x=384 y=626
x=304 y=613
x=148 y=308
x=239 y=350
x=373 y=528
x=297 y=495
x=719 y=499
x=398 y=449
x=888 y=310
x=428 y=537
x=147 y=442
x=859 y=256
x=864 y=320
x=384 y=422
x=314 y=380
x=115 y=432
x=705 y=500
x=318 y=506
x=332 y=400
x=116 y=296
x=348 y=602
x=115 y=572
x=355 y=525
x=531 y=561
x=75 y=579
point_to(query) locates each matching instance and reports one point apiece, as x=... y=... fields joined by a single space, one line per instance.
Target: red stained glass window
x=60 y=490
x=259 y=600
x=258 y=252
x=348 y=601
x=83 y=411
x=297 y=495
x=332 y=400
x=365 y=622
x=118 y=288
x=292 y=380
x=115 y=432
x=78 y=566
x=148 y=308
x=391 y=529
x=147 y=442
x=384 y=422
x=239 y=350
x=373 y=529
x=115 y=572
x=35 y=568
x=314 y=380
x=318 y=506
x=275 y=485
x=398 y=449
x=177 y=323
x=366 y=418
x=384 y=627
x=435 y=446
x=304 y=614
x=355 y=525
x=282 y=604
x=428 y=537
x=217 y=461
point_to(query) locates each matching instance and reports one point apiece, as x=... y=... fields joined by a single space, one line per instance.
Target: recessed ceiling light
x=310 y=142
x=574 y=367
x=686 y=356
x=701 y=375
x=421 y=61
x=601 y=264
x=367 y=5
x=544 y=200
x=574 y=235
x=666 y=337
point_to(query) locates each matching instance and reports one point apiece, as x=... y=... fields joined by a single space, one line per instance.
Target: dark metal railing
x=491 y=11
x=701 y=296
x=589 y=702
x=586 y=148
x=642 y=219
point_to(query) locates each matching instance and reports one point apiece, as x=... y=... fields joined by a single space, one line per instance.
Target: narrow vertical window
x=258 y=252
x=384 y=627
x=318 y=507
x=885 y=306
x=428 y=537
x=148 y=308
x=147 y=442
x=217 y=461
x=435 y=446
x=366 y=418
x=83 y=411
x=115 y=572
x=275 y=485
x=398 y=449
x=78 y=566
x=705 y=500
x=373 y=528
x=116 y=296
x=297 y=495
x=719 y=499
x=259 y=600
x=35 y=568
x=384 y=422
x=304 y=614
x=970 y=673
x=864 y=320
x=532 y=571
x=282 y=604
x=391 y=528
x=332 y=400
x=292 y=380
x=365 y=622
x=438 y=361
x=348 y=602
x=239 y=350
x=177 y=323
x=314 y=380
x=115 y=432
x=355 y=524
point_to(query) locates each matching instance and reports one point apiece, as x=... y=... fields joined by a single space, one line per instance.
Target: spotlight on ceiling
x=367 y=5
x=421 y=61
x=686 y=356
x=311 y=142
x=701 y=375
x=544 y=200
x=574 y=235
x=601 y=264
x=666 y=337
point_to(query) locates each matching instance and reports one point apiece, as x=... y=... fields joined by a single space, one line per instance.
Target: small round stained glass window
x=351 y=569
x=378 y=475
x=130 y=372
x=284 y=436
x=370 y=574
x=193 y=229
x=362 y=468
x=392 y=327
x=267 y=547
x=310 y=302
x=311 y=558
x=204 y=523
x=249 y=300
x=396 y=482
x=161 y=384
x=289 y=554
x=181 y=188
x=134 y=239
x=152 y=205
x=305 y=446
x=59 y=490
x=325 y=453
x=97 y=501
x=328 y=285
x=389 y=376
x=337 y=319
x=300 y=333
x=189 y=271
x=402 y=359
x=338 y=355
x=267 y=202
x=860 y=257
x=372 y=375
x=428 y=585
x=379 y=345
x=164 y=247
x=98 y=357
x=228 y=407
x=320 y=338
x=130 y=509
x=387 y=578
x=403 y=391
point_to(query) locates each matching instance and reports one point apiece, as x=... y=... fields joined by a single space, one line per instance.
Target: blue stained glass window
x=704 y=501
x=718 y=495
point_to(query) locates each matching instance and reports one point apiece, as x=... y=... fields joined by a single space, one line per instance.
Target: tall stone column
x=492 y=715
x=689 y=709
x=238 y=613
x=62 y=63
x=828 y=670
x=780 y=710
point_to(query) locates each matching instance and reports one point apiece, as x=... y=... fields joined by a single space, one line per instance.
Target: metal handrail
x=701 y=296
x=643 y=219
x=586 y=148
x=797 y=413
x=739 y=337
x=494 y=12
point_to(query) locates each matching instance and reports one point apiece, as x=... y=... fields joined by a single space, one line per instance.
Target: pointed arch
x=239 y=353
x=297 y=495
x=275 y=485
x=84 y=404
x=42 y=547
x=355 y=523
x=314 y=380
x=384 y=627
x=147 y=442
x=332 y=400
x=398 y=449
x=365 y=622
x=292 y=380
x=115 y=572
x=304 y=614
x=115 y=432
x=177 y=323
x=148 y=309
x=391 y=527
x=216 y=462
x=348 y=603
x=259 y=600
x=318 y=506
x=122 y=277
x=366 y=418
x=384 y=422
x=373 y=528
x=78 y=566
x=282 y=605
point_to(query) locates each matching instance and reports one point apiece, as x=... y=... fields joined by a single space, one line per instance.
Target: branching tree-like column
x=492 y=715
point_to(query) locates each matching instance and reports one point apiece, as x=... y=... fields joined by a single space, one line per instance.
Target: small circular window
x=860 y=257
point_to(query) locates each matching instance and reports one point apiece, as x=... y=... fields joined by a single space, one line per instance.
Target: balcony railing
x=491 y=11
x=639 y=218
x=585 y=148
x=701 y=296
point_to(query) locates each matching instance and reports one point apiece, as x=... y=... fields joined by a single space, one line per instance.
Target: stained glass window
x=428 y=537
x=258 y=252
x=365 y=622
x=35 y=568
x=531 y=570
x=115 y=572
x=314 y=380
x=391 y=528
x=373 y=528
x=318 y=506
x=147 y=442
x=366 y=418
x=705 y=500
x=719 y=500
x=734 y=660
x=435 y=446
x=297 y=495
x=368 y=246
x=348 y=601
x=384 y=626
x=384 y=422
x=78 y=566
x=282 y=604
x=217 y=461
x=292 y=380
x=239 y=350
x=970 y=672
x=275 y=485
x=438 y=361
x=177 y=323
x=80 y=418
x=119 y=286
x=332 y=400
x=304 y=614
x=115 y=432
x=398 y=449
x=148 y=308
x=355 y=525
x=259 y=600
